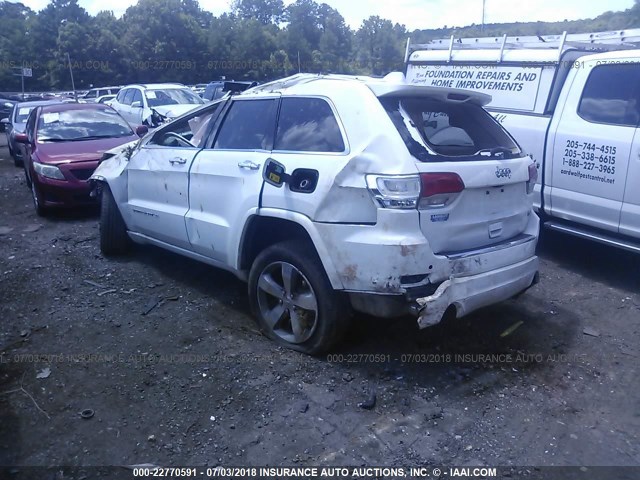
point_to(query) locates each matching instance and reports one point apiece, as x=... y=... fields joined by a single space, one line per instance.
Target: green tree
x=335 y=41
x=302 y=33
x=264 y=11
x=166 y=40
x=14 y=51
x=380 y=45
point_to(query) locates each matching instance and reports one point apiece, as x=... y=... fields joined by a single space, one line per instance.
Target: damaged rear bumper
x=472 y=292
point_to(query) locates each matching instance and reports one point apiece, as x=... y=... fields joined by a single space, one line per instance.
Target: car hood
x=173 y=111
x=82 y=151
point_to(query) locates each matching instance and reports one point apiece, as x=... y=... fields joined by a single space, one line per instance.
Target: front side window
x=81 y=124
x=31 y=124
x=249 y=125
x=190 y=132
x=172 y=96
x=308 y=125
x=612 y=95
x=433 y=129
x=128 y=96
x=121 y=95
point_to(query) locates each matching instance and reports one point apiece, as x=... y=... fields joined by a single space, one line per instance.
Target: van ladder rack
x=596 y=41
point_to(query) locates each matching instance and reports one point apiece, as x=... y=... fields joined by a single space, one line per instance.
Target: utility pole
x=299 y=62
x=73 y=85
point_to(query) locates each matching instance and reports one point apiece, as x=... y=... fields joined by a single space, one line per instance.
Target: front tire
x=113 y=231
x=41 y=210
x=293 y=301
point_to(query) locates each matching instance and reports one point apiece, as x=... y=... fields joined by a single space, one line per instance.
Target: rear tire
x=293 y=301
x=113 y=231
x=16 y=161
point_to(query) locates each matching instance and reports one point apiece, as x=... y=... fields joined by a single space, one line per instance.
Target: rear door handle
x=178 y=161
x=248 y=164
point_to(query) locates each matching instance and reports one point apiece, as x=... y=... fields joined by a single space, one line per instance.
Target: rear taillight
x=427 y=190
x=439 y=189
x=395 y=191
x=533 y=177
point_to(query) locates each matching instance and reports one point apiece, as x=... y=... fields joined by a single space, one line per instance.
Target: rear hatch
x=475 y=180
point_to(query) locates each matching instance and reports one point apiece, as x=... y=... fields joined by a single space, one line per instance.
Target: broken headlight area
x=155 y=119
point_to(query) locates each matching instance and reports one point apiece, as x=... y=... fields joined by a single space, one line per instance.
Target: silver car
x=16 y=124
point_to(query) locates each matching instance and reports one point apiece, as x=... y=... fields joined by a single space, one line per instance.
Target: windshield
x=432 y=129
x=172 y=96
x=85 y=124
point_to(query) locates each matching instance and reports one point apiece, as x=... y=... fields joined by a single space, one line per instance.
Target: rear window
x=436 y=131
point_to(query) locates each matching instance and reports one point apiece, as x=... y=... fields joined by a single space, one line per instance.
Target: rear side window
x=433 y=130
x=308 y=125
x=137 y=97
x=249 y=125
x=612 y=95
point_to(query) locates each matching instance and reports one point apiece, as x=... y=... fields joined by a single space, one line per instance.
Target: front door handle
x=248 y=164
x=178 y=161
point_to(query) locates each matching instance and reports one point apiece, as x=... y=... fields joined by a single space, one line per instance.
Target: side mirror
x=5 y=121
x=141 y=130
x=136 y=105
x=274 y=173
x=21 y=138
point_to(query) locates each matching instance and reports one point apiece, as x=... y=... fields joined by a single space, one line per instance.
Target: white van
x=573 y=104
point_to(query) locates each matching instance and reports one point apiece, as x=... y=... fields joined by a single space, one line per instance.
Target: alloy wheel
x=287 y=302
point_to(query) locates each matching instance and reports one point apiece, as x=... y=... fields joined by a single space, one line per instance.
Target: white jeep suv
x=330 y=192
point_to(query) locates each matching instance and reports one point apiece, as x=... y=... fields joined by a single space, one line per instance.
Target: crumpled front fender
x=114 y=162
x=113 y=172
x=109 y=169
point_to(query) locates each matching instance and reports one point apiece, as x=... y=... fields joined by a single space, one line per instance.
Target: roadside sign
x=27 y=72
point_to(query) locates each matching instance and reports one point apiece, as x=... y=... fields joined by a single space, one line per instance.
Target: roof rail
x=596 y=41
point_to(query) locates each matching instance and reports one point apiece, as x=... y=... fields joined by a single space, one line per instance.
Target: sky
x=417 y=14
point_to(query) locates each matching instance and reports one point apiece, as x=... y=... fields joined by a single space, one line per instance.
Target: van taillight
x=438 y=183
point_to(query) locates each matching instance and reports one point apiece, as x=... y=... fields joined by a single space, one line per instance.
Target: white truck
x=573 y=103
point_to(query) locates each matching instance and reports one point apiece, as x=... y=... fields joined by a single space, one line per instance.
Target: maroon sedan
x=63 y=146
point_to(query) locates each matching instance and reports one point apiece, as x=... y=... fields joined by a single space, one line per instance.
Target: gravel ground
x=192 y=382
